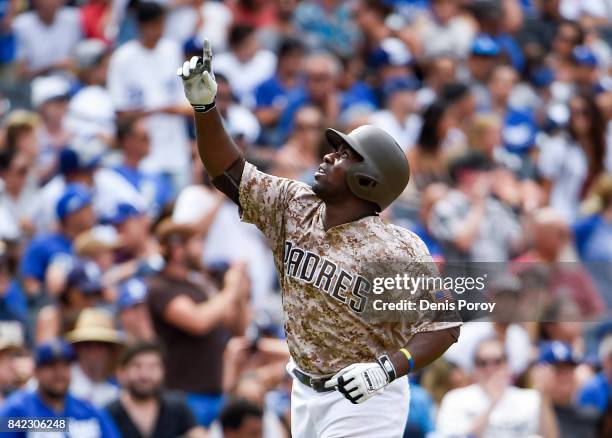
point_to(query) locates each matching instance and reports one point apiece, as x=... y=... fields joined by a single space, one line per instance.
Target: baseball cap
x=75 y=197
x=52 y=351
x=400 y=83
x=584 y=56
x=46 y=88
x=556 y=353
x=542 y=77
x=86 y=276
x=132 y=292
x=74 y=160
x=485 y=45
x=121 y=213
x=519 y=132
x=89 y=53
x=391 y=51
x=193 y=45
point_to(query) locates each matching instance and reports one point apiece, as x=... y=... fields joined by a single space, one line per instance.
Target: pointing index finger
x=207 y=55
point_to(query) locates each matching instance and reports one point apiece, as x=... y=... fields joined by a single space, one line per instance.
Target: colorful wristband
x=409 y=357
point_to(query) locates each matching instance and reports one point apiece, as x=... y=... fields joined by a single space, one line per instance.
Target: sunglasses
x=484 y=363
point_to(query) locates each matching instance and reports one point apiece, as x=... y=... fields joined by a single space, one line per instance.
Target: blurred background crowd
x=133 y=299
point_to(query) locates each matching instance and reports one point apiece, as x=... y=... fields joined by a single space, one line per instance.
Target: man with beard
x=51 y=398
x=193 y=320
x=144 y=409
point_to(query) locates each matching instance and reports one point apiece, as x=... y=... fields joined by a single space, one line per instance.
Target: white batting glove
x=360 y=381
x=199 y=80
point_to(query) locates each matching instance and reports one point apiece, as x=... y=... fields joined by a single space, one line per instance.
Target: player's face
x=330 y=178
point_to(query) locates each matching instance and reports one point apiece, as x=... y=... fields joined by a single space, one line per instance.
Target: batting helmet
x=383 y=173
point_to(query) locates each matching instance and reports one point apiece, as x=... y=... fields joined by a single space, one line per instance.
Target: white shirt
x=406 y=134
x=240 y=121
x=245 y=77
x=40 y=45
x=455 y=37
x=91 y=112
x=517 y=345
x=564 y=163
x=13 y=210
x=98 y=394
x=143 y=79
x=574 y=9
x=517 y=414
x=181 y=24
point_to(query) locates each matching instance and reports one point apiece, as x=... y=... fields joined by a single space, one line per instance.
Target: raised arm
x=216 y=148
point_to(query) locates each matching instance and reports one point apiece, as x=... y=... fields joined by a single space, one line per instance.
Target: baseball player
x=350 y=374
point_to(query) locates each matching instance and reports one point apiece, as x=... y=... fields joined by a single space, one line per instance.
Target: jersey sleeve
x=263 y=200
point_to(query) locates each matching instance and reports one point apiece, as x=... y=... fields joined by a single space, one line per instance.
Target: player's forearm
x=216 y=148
x=424 y=348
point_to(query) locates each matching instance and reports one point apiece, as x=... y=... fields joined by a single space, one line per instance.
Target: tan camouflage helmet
x=383 y=173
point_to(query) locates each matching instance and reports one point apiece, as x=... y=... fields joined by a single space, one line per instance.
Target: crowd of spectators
x=135 y=302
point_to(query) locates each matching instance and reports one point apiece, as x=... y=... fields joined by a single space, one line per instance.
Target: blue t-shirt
x=421 y=409
x=7 y=38
x=595 y=393
x=39 y=253
x=295 y=100
x=83 y=418
x=272 y=93
x=594 y=239
x=430 y=242
x=269 y=92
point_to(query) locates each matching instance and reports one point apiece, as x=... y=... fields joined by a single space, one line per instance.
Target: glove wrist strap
x=388 y=367
x=204 y=108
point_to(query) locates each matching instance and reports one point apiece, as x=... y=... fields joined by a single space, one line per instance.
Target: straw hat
x=11 y=336
x=95 y=325
x=168 y=229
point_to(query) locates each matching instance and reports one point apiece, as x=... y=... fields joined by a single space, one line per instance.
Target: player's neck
x=338 y=214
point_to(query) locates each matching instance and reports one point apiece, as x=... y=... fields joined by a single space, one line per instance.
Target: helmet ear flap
x=361 y=181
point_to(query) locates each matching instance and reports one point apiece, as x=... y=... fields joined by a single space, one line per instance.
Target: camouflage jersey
x=325 y=276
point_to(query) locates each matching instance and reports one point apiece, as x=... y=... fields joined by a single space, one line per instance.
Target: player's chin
x=319 y=186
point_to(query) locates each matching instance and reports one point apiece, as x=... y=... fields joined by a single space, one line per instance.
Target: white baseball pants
x=330 y=415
